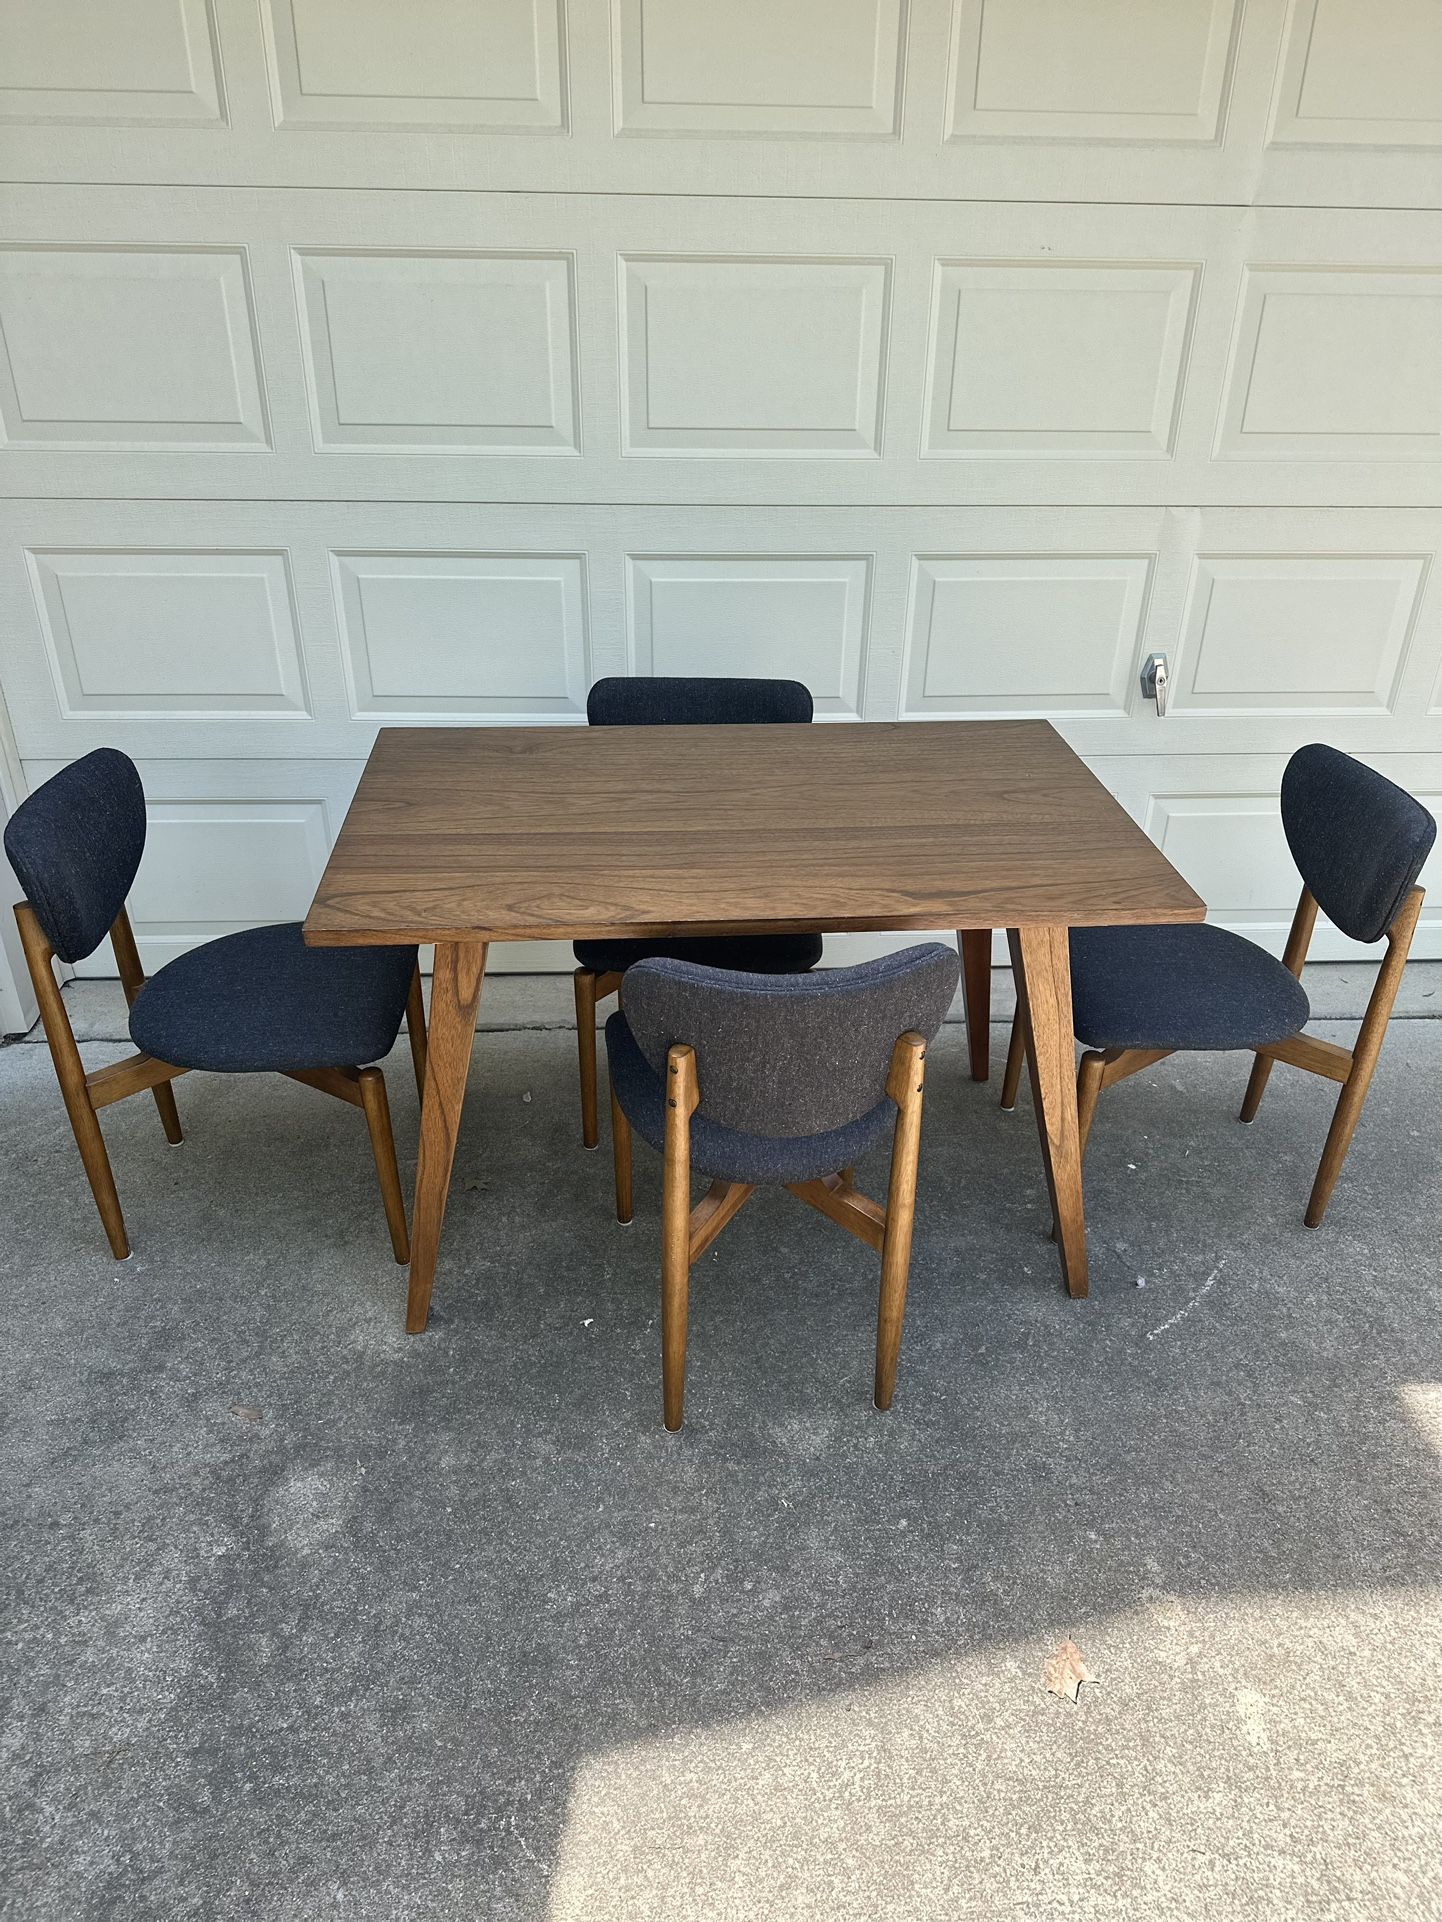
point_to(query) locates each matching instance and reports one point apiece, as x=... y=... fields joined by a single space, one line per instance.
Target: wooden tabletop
x=531 y=833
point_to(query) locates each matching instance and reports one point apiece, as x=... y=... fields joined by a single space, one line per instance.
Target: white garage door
x=367 y=362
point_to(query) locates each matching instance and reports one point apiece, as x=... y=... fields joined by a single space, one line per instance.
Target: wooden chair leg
x=1294 y=957
x=91 y=1143
x=1262 y=1066
x=169 y=1113
x=1345 y=1116
x=132 y=980
x=1368 y=1047
x=70 y=1073
x=621 y=1155
x=681 y=1101
x=1089 y=1084
x=975 y=945
x=378 y=1121
x=586 y=1051
x=904 y=1085
x=1015 y=1062
x=416 y=1031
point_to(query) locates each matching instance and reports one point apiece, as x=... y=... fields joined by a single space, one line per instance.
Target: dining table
x=467 y=836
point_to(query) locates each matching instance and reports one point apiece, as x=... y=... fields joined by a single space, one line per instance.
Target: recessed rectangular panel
x=128 y=347
x=1336 y=362
x=1297 y=633
x=476 y=634
x=436 y=351
x=800 y=617
x=211 y=866
x=1109 y=70
x=125 y=63
x=1022 y=633
x=1361 y=73
x=447 y=63
x=759 y=66
x=1069 y=357
x=135 y=636
x=751 y=356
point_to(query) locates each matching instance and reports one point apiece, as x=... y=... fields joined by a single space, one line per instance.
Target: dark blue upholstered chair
x=1142 y=993
x=662 y=700
x=260 y=1000
x=762 y=1078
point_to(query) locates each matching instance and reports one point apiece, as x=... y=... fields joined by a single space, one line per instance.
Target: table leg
x=455 y=995
x=1041 y=964
x=975 y=945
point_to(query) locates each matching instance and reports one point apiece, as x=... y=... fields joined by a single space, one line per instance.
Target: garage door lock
x=1154 y=680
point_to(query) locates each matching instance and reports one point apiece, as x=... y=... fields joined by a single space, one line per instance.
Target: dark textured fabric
x=1192 y=986
x=75 y=845
x=797 y=1054
x=756 y=953
x=1358 y=840
x=727 y=1152
x=664 y=700
x=263 y=1000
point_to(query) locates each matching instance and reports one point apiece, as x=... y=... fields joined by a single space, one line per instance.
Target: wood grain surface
x=512 y=834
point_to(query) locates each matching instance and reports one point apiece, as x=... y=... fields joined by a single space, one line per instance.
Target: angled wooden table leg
x=455 y=996
x=1041 y=963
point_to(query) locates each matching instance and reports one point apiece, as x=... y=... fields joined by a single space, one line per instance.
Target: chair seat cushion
x=726 y=1152
x=1192 y=986
x=262 y=1000
x=748 y=953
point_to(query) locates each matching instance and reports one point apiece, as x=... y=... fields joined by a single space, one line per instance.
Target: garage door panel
x=127 y=346
x=759 y=67
x=142 y=634
x=151 y=62
x=1023 y=634
x=1294 y=634
x=1111 y=71
x=297 y=628
x=1356 y=75
x=449 y=64
x=1336 y=362
x=461 y=351
x=1202 y=101
x=526 y=348
x=499 y=637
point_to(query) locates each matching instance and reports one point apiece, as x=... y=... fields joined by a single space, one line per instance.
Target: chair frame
x=687 y=1232
x=85 y=1094
x=975 y=947
x=1353 y=1067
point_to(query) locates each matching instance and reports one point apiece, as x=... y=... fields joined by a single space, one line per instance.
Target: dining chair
x=1140 y=994
x=246 y=1003
x=785 y=1080
x=664 y=700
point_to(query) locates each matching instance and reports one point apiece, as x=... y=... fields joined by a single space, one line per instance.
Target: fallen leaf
x=244 y=1414
x=1066 y=1671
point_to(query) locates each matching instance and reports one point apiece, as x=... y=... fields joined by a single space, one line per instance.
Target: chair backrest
x=75 y=845
x=1358 y=840
x=794 y=1054
x=677 y=700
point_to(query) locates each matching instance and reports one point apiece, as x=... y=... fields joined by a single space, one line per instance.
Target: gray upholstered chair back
x=1358 y=840
x=75 y=845
x=667 y=700
x=789 y=1054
